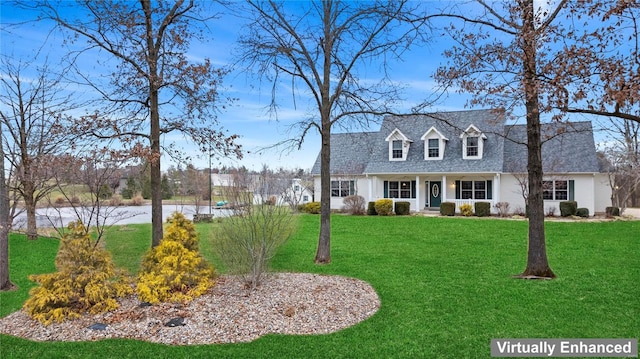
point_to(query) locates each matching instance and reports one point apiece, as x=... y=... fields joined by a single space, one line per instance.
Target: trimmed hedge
x=403 y=208
x=482 y=209
x=447 y=209
x=312 y=207
x=612 y=211
x=582 y=212
x=384 y=207
x=371 y=209
x=568 y=208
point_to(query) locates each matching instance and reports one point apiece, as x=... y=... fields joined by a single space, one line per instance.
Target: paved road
x=57 y=217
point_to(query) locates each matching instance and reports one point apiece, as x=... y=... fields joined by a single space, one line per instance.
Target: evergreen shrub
x=612 y=211
x=568 y=208
x=402 y=208
x=384 y=207
x=582 y=212
x=371 y=209
x=174 y=271
x=482 y=209
x=86 y=281
x=447 y=208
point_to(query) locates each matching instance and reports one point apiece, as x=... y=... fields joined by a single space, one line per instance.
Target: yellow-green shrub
x=86 y=281
x=384 y=207
x=466 y=209
x=174 y=271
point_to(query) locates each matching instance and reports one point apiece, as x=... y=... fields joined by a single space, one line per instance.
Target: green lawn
x=445 y=286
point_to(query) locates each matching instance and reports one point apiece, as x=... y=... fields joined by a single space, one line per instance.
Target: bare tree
x=154 y=88
x=324 y=48
x=622 y=154
x=32 y=115
x=5 y=280
x=95 y=169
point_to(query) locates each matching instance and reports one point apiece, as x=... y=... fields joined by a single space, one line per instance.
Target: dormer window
x=398 y=145
x=472 y=143
x=396 y=149
x=434 y=143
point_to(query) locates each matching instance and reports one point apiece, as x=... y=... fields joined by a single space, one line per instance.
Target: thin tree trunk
x=323 y=254
x=537 y=263
x=5 y=281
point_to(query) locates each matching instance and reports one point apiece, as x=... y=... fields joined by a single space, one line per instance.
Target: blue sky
x=248 y=116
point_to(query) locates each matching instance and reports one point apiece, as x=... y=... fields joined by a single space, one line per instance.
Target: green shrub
x=582 y=212
x=447 y=209
x=174 y=271
x=312 y=207
x=466 y=209
x=402 y=208
x=384 y=207
x=612 y=211
x=86 y=281
x=482 y=209
x=568 y=208
x=371 y=209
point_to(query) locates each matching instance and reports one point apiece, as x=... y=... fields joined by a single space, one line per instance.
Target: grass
x=445 y=286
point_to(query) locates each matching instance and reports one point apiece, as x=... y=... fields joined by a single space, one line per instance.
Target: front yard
x=444 y=283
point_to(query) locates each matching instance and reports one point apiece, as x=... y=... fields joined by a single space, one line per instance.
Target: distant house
x=463 y=157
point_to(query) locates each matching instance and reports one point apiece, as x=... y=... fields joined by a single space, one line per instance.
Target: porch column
x=443 y=190
x=496 y=188
x=418 y=193
x=370 y=185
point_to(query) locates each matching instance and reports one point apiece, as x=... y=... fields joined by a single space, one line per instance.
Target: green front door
x=435 y=191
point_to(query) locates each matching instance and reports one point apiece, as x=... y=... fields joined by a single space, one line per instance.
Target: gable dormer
x=398 y=145
x=472 y=143
x=434 y=144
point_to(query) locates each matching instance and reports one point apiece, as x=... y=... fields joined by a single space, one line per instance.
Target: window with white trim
x=473 y=189
x=472 y=143
x=343 y=188
x=557 y=190
x=400 y=189
x=396 y=150
x=434 y=144
x=398 y=145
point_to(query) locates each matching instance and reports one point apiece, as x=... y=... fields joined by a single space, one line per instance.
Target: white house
x=463 y=157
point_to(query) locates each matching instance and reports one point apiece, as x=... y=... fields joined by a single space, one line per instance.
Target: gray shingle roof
x=572 y=150
x=568 y=147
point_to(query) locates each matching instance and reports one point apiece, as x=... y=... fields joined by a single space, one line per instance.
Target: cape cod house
x=463 y=157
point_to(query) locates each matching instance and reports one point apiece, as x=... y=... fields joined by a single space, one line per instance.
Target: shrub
x=568 y=208
x=402 y=208
x=384 y=207
x=612 y=211
x=371 y=209
x=86 y=281
x=174 y=271
x=551 y=211
x=127 y=193
x=482 y=209
x=312 y=207
x=582 y=212
x=447 y=208
x=104 y=192
x=60 y=200
x=115 y=200
x=502 y=208
x=137 y=201
x=466 y=209
x=354 y=205
x=247 y=243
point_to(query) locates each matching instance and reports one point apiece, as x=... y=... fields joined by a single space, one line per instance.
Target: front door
x=435 y=190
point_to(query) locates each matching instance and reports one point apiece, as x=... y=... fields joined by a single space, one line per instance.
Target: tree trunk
x=537 y=263
x=5 y=281
x=30 y=208
x=323 y=254
x=154 y=138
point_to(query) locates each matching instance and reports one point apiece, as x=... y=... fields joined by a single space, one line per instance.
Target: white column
x=418 y=207
x=443 y=190
x=496 y=188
